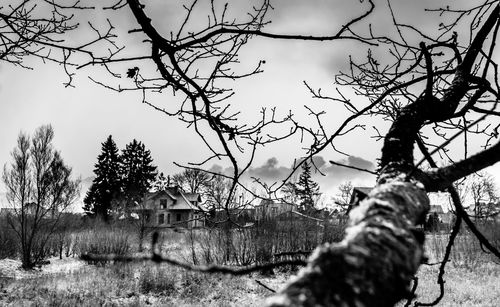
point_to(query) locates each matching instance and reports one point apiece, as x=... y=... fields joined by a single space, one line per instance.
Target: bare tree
x=343 y=198
x=192 y=180
x=41 y=29
x=39 y=189
x=429 y=82
x=432 y=89
x=482 y=195
x=217 y=194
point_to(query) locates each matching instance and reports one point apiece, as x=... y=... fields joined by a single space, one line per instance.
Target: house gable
x=173 y=208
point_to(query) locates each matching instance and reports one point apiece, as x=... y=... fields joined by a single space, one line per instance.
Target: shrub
x=156 y=279
x=466 y=250
x=9 y=247
x=265 y=241
x=194 y=285
x=104 y=240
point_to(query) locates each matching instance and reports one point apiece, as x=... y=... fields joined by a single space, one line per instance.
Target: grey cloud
x=269 y=171
x=328 y=177
x=216 y=169
x=345 y=172
x=360 y=162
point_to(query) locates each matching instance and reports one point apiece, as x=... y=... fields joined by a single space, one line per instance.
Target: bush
x=466 y=251
x=103 y=240
x=195 y=285
x=491 y=229
x=155 y=279
x=9 y=247
x=263 y=242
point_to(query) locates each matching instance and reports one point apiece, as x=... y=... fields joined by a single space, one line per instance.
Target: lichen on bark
x=374 y=263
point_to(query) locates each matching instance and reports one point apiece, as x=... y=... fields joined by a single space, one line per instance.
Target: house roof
x=363 y=190
x=182 y=201
x=155 y=195
x=359 y=193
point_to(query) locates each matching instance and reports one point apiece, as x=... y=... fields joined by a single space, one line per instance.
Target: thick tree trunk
x=373 y=265
x=383 y=249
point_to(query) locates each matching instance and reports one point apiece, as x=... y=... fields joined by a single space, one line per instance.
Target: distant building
x=270 y=209
x=358 y=194
x=172 y=208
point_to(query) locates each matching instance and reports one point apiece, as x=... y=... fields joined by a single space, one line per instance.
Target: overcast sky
x=84 y=116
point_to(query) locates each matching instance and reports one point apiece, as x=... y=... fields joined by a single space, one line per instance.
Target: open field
x=472 y=278
x=463 y=286
x=71 y=282
x=132 y=285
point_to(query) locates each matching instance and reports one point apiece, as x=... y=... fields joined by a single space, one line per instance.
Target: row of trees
x=121 y=179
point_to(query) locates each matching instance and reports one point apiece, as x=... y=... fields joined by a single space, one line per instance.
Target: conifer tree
x=306 y=189
x=137 y=173
x=106 y=185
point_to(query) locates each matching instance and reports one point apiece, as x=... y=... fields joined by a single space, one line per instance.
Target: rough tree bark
x=374 y=264
x=383 y=248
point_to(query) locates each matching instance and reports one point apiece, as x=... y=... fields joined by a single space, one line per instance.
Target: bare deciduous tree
x=431 y=89
x=39 y=189
x=480 y=194
x=344 y=196
x=41 y=29
x=192 y=180
x=434 y=82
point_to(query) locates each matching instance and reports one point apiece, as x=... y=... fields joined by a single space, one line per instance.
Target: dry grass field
x=69 y=282
x=463 y=286
x=472 y=278
x=133 y=285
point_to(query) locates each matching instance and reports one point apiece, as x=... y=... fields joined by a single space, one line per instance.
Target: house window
x=146 y=217
x=161 y=219
x=163 y=203
x=168 y=218
x=274 y=210
x=178 y=217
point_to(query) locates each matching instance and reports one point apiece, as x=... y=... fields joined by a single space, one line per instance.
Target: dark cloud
x=216 y=169
x=269 y=171
x=336 y=174
x=351 y=161
x=328 y=176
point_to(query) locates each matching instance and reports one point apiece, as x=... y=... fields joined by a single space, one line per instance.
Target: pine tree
x=106 y=185
x=137 y=173
x=306 y=189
